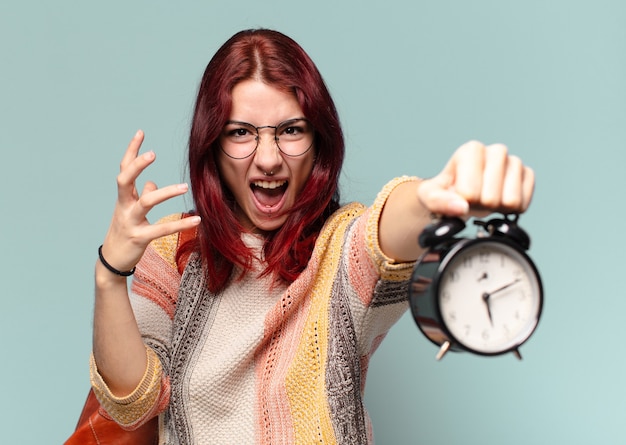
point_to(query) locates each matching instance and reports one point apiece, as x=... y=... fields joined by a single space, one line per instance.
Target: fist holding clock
x=482 y=295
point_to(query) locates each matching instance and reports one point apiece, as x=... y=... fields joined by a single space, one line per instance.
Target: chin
x=270 y=224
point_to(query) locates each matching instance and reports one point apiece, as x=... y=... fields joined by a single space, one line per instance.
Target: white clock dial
x=489 y=297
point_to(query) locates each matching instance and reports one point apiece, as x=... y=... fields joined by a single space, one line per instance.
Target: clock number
x=522 y=295
x=485 y=335
x=483 y=256
x=454 y=276
x=467 y=262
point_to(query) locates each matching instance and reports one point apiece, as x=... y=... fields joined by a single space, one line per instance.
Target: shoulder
x=347 y=212
x=340 y=220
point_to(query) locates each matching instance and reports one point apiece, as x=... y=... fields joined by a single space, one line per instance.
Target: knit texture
x=134 y=409
x=262 y=362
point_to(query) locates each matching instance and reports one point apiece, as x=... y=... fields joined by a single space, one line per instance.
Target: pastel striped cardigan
x=259 y=363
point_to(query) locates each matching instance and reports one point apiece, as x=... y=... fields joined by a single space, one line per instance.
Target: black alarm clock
x=482 y=295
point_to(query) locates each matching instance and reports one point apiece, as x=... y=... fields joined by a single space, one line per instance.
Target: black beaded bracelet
x=113 y=269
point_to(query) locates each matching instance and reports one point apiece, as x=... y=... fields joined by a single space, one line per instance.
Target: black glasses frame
x=276 y=138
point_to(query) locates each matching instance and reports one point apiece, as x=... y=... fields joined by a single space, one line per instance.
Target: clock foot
x=442 y=351
x=517 y=354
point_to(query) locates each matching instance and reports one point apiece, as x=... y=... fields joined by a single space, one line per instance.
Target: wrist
x=110 y=268
x=104 y=279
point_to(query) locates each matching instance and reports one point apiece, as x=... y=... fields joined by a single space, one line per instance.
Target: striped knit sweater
x=260 y=363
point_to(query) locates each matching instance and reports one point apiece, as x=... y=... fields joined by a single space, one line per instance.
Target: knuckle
x=472 y=148
x=143 y=201
x=474 y=144
x=122 y=180
x=498 y=148
x=512 y=202
x=490 y=202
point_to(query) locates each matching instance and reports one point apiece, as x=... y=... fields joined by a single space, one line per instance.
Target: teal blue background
x=412 y=79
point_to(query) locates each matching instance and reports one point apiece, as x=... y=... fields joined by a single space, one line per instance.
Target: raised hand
x=130 y=232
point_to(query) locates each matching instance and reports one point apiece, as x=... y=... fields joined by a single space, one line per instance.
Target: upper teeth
x=269 y=184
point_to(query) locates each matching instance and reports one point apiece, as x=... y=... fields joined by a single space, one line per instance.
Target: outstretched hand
x=476 y=181
x=479 y=180
x=130 y=231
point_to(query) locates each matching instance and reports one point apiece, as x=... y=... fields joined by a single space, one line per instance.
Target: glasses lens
x=239 y=139
x=294 y=137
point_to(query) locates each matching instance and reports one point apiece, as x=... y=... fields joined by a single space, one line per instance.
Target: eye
x=239 y=132
x=291 y=131
x=294 y=129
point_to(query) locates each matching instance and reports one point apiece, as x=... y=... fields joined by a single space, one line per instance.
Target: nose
x=267 y=156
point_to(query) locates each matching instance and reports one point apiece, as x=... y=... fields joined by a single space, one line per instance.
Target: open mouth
x=269 y=193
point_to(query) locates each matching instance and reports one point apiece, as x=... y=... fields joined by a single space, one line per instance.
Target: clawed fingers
x=134 y=205
x=130 y=232
x=152 y=196
x=124 y=246
x=131 y=166
x=130 y=216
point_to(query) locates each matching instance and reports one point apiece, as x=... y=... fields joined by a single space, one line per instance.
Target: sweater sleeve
x=132 y=410
x=388 y=268
x=374 y=277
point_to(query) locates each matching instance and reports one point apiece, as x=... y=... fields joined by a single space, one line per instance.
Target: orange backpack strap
x=95 y=428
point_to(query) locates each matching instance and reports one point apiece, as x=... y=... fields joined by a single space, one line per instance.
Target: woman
x=253 y=319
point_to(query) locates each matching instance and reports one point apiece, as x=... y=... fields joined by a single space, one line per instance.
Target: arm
x=118 y=349
x=477 y=180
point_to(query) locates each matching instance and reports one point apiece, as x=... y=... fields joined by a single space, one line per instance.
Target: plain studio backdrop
x=412 y=80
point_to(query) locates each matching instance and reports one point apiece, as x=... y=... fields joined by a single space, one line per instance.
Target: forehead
x=262 y=104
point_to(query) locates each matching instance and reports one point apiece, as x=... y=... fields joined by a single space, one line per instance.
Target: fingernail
x=183 y=186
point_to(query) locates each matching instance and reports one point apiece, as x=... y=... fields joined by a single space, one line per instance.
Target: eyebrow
x=264 y=126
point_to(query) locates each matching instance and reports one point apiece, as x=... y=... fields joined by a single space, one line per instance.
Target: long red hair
x=279 y=61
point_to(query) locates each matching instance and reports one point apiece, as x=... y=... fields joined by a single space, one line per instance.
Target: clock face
x=490 y=297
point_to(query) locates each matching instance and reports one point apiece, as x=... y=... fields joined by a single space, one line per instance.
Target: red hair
x=277 y=60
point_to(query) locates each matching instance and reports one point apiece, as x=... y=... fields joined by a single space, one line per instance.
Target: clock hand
x=506 y=286
x=486 y=297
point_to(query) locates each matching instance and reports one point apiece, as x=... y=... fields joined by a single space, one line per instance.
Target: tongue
x=268 y=197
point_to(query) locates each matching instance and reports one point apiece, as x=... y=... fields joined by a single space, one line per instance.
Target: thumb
x=438 y=196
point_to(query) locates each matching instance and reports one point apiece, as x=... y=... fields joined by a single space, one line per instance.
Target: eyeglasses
x=293 y=137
